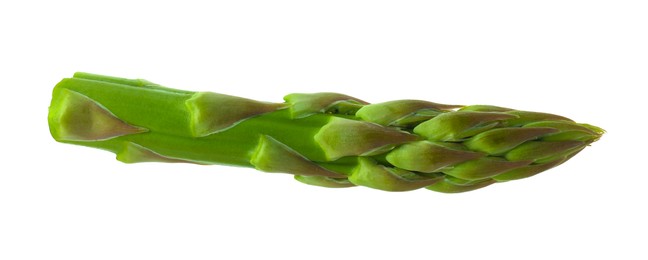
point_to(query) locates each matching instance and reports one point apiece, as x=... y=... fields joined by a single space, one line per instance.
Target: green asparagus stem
x=324 y=139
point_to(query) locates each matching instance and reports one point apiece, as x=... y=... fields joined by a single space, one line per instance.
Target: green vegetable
x=324 y=139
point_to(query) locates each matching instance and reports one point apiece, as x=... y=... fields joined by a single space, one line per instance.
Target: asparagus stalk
x=324 y=139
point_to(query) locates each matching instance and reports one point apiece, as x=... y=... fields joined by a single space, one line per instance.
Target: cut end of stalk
x=75 y=117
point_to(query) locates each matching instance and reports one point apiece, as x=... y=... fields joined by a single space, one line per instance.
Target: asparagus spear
x=324 y=139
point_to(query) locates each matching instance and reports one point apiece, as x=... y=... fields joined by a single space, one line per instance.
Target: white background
x=586 y=60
